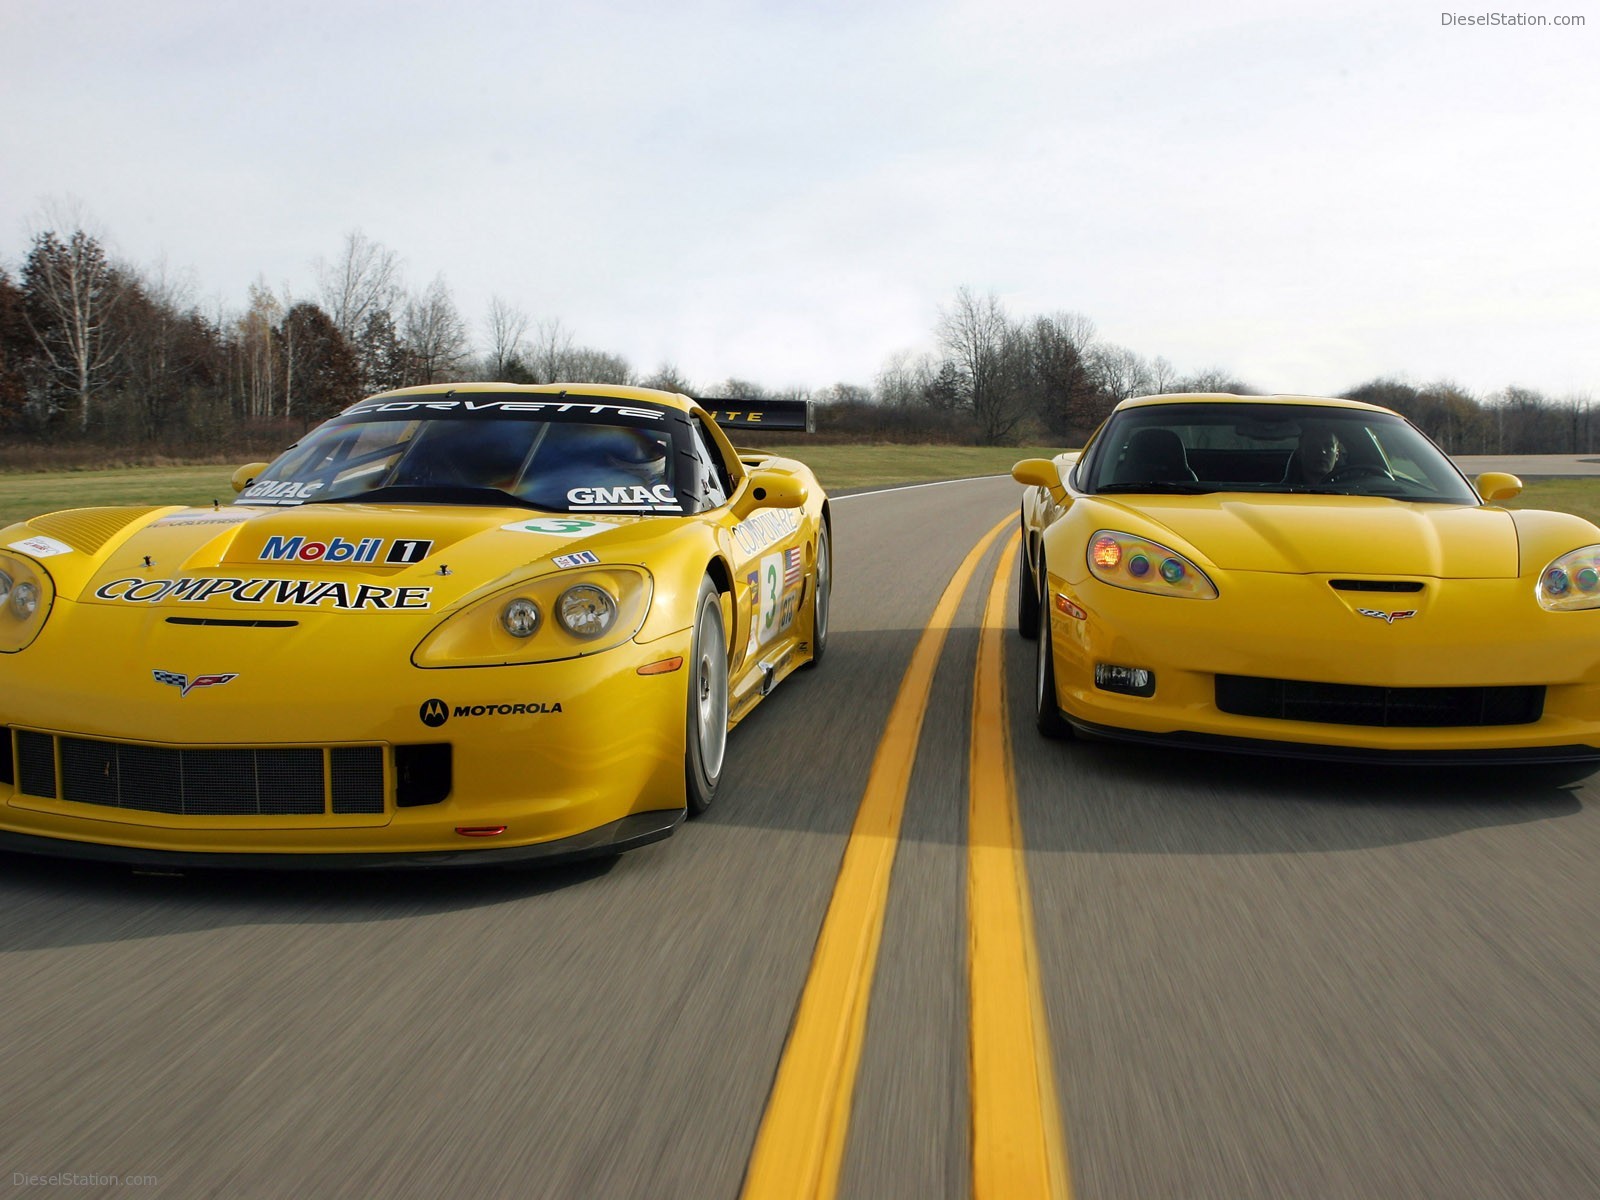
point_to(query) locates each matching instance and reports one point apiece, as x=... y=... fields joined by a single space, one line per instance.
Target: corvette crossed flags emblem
x=185 y=685
x=1388 y=618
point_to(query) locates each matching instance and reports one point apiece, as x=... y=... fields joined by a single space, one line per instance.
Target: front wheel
x=821 y=594
x=1046 y=710
x=1027 y=596
x=707 y=723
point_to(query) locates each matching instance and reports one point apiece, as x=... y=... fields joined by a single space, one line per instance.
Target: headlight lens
x=26 y=594
x=1126 y=561
x=1572 y=582
x=563 y=614
x=586 y=611
x=24 y=601
x=521 y=618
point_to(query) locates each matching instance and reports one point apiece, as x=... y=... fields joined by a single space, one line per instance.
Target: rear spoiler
x=782 y=416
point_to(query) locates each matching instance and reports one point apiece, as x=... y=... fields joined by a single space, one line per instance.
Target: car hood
x=1340 y=535
x=320 y=557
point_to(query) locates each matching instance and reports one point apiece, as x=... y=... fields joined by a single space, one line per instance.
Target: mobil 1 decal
x=360 y=551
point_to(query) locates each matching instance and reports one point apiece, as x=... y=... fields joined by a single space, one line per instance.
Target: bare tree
x=364 y=278
x=1213 y=379
x=667 y=379
x=904 y=380
x=434 y=334
x=70 y=291
x=1119 y=372
x=586 y=365
x=507 y=325
x=981 y=340
x=1062 y=377
x=547 y=356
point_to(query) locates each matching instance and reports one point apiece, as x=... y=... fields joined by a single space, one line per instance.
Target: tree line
x=103 y=353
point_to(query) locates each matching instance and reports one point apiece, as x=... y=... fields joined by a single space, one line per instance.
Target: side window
x=714 y=485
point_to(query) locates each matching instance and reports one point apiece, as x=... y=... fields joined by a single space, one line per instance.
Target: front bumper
x=571 y=758
x=1465 y=634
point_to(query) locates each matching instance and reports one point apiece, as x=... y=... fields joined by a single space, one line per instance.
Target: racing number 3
x=771 y=592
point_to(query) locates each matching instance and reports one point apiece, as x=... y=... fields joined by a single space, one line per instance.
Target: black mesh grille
x=357 y=779
x=36 y=764
x=8 y=770
x=1353 y=704
x=249 y=782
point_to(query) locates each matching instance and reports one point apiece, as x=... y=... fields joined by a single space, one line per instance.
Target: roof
x=1229 y=398
x=612 y=391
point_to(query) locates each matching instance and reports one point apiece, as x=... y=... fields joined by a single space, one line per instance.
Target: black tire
x=821 y=594
x=1046 y=711
x=1027 y=596
x=706 y=724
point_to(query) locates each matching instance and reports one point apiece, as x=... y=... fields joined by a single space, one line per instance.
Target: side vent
x=8 y=773
x=422 y=774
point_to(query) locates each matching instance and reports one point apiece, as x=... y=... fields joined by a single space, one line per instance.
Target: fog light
x=1130 y=681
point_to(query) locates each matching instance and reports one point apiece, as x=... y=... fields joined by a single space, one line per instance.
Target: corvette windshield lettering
x=282 y=593
x=505 y=406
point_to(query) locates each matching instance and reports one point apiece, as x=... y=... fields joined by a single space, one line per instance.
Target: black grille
x=8 y=770
x=1355 y=704
x=36 y=764
x=264 y=781
x=357 y=779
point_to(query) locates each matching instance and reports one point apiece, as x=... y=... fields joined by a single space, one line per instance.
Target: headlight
x=521 y=618
x=26 y=593
x=1126 y=561
x=586 y=611
x=590 y=611
x=1572 y=582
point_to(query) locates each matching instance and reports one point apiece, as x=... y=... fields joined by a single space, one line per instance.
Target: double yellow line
x=1018 y=1149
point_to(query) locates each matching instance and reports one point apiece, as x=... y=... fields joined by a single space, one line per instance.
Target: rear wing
x=780 y=416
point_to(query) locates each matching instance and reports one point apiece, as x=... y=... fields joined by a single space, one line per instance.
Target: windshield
x=558 y=455
x=1184 y=448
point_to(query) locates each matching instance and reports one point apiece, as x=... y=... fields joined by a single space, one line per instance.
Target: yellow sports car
x=1299 y=576
x=466 y=624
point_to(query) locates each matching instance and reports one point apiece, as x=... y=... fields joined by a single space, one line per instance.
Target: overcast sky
x=1304 y=194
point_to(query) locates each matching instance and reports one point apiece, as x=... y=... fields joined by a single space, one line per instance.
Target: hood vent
x=87 y=529
x=239 y=624
x=1374 y=585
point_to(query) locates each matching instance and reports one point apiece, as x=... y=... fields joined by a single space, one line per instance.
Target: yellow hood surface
x=1340 y=535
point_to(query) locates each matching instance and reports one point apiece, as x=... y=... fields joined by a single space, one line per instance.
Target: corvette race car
x=465 y=624
x=1299 y=576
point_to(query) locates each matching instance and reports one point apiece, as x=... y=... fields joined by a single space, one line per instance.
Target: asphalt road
x=1259 y=981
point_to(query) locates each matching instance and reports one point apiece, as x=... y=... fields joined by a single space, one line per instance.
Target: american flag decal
x=791 y=568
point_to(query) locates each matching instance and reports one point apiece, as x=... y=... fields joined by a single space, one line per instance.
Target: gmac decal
x=659 y=498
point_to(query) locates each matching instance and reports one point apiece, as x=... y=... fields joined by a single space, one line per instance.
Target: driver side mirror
x=1041 y=472
x=1497 y=485
x=246 y=475
x=769 y=489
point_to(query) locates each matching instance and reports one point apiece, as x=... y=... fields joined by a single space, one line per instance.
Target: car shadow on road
x=73 y=902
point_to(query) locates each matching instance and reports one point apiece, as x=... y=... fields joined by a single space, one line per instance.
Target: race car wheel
x=822 y=594
x=707 y=727
x=1046 y=712
x=1027 y=596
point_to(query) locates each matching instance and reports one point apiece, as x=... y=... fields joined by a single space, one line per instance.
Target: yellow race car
x=468 y=624
x=1300 y=576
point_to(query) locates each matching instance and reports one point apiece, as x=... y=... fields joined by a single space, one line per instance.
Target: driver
x=1318 y=455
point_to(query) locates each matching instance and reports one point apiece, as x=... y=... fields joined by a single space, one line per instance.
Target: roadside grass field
x=23 y=495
